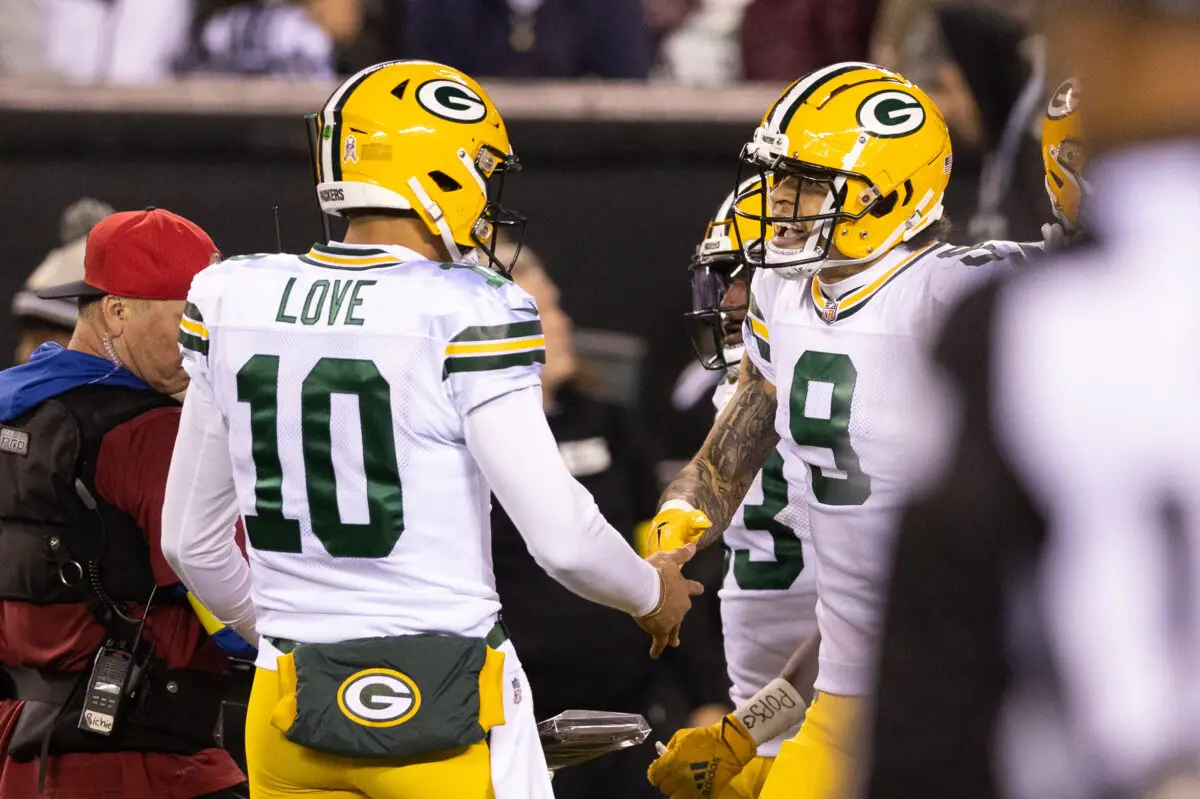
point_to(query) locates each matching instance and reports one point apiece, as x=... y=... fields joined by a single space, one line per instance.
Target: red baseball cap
x=147 y=255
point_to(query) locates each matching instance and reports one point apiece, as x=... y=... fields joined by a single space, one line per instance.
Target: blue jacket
x=53 y=370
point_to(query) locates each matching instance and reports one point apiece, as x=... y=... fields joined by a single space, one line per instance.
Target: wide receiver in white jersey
x=850 y=284
x=354 y=405
x=769 y=594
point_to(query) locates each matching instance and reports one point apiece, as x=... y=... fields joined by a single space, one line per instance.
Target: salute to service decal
x=451 y=100
x=891 y=114
x=379 y=698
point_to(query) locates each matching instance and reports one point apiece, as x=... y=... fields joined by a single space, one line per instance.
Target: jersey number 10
x=269 y=529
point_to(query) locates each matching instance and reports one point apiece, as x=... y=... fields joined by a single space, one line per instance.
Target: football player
x=768 y=599
x=354 y=404
x=850 y=283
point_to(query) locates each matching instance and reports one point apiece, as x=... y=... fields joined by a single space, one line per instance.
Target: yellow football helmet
x=1063 y=154
x=873 y=142
x=714 y=266
x=422 y=137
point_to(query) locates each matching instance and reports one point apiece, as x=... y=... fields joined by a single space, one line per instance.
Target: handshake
x=672 y=542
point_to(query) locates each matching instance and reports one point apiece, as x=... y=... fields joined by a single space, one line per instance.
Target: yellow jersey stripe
x=494 y=347
x=343 y=260
x=877 y=283
x=195 y=328
x=759 y=328
x=865 y=293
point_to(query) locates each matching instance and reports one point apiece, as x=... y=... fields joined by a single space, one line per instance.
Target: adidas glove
x=700 y=762
x=676 y=525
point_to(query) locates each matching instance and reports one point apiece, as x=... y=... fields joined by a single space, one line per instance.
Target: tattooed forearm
x=716 y=480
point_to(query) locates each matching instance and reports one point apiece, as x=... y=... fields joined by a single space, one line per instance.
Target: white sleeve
x=755 y=328
x=199 y=513
x=564 y=530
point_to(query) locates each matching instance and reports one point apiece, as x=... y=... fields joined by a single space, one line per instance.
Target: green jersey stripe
x=193 y=313
x=490 y=363
x=193 y=343
x=497 y=332
x=764 y=349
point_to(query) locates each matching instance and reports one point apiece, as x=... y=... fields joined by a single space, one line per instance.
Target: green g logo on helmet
x=451 y=100
x=891 y=114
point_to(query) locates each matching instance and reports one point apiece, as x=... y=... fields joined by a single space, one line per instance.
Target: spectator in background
x=531 y=38
x=985 y=74
x=278 y=38
x=54 y=320
x=703 y=47
x=118 y=41
x=896 y=18
x=603 y=667
x=785 y=38
x=22 y=42
x=664 y=16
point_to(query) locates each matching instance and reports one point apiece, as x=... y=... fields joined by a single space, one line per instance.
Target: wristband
x=662 y=596
x=676 y=504
x=772 y=711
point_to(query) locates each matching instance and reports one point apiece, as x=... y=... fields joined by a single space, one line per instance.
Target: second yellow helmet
x=873 y=142
x=1063 y=153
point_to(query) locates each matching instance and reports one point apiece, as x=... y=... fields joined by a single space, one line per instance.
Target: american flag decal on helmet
x=949 y=163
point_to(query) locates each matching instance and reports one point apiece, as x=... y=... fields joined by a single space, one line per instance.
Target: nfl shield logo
x=351 y=153
x=516 y=686
x=830 y=312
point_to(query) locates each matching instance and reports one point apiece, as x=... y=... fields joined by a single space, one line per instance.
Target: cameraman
x=87 y=602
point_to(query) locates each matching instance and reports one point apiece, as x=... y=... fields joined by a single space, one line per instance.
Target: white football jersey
x=847 y=373
x=769 y=594
x=344 y=376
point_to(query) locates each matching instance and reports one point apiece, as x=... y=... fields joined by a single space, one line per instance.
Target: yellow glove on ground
x=674 y=528
x=700 y=762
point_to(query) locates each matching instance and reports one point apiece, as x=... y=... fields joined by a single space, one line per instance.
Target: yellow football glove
x=674 y=528
x=700 y=762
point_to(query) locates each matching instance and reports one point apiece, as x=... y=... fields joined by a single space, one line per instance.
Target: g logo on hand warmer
x=379 y=698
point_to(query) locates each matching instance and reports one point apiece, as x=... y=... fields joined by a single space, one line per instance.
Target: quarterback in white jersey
x=850 y=283
x=356 y=405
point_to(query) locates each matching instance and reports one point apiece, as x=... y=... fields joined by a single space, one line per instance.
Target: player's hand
x=673 y=528
x=700 y=762
x=674 y=601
